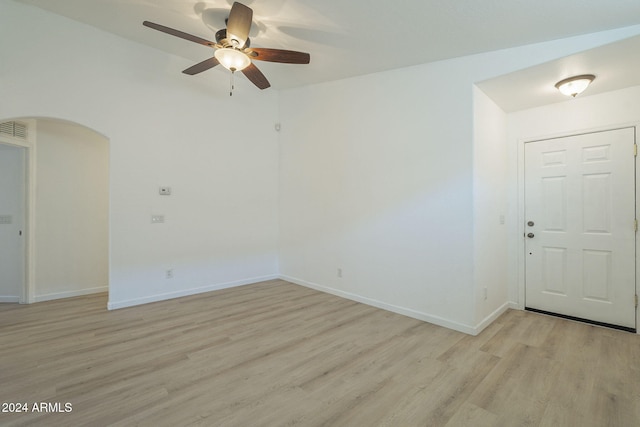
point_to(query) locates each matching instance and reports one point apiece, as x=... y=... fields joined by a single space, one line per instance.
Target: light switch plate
x=164 y=191
x=157 y=219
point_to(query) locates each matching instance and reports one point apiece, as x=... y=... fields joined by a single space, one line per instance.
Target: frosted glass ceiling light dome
x=575 y=85
x=232 y=59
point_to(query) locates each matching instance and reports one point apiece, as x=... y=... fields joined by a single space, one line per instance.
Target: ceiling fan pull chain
x=231 y=88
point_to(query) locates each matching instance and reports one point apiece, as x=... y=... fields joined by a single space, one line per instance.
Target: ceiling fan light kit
x=232 y=48
x=575 y=85
x=232 y=59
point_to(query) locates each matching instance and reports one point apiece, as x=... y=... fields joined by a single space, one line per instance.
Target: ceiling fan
x=232 y=48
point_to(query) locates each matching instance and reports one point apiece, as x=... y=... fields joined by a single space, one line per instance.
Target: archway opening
x=66 y=229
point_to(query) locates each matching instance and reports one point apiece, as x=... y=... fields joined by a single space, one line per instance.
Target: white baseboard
x=113 y=305
x=515 y=305
x=490 y=318
x=9 y=299
x=426 y=317
x=70 y=294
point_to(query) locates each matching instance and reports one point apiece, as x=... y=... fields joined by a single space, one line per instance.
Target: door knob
x=530 y=235
x=530 y=223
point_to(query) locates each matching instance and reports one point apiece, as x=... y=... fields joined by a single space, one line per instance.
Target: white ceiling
x=615 y=66
x=354 y=37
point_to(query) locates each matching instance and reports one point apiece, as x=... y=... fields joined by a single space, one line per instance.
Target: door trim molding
x=27 y=294
x=520 y=228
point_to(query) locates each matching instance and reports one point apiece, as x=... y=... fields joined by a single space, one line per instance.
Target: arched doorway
x=67 y=210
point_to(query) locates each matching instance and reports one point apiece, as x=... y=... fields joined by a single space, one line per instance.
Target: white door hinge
x=636 y=300
x=635 y=225
x=635 y=150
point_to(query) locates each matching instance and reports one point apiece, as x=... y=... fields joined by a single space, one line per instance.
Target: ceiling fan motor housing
x=221 y=39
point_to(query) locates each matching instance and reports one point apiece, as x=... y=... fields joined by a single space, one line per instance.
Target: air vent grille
x=14 y=129
x=6 y=128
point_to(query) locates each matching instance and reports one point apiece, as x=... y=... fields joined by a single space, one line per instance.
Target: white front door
x=12 y=220
x=579 y=226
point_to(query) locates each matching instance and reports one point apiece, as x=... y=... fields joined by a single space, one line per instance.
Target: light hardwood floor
x=276 y=354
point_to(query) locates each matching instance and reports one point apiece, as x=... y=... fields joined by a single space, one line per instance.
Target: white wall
x=71 y=210
x=12 y=204
x=219 y=154
x=615 y=108
x=584 y=113
x=490 y=207
x=377 y=178
x=372 y=184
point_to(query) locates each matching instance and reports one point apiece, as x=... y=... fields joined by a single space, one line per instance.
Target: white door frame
x=519 y=304
x=26 y=296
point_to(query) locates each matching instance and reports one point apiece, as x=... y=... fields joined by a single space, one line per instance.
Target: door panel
x=580 y=196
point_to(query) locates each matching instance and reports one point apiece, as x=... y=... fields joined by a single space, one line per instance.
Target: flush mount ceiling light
x=575 y=85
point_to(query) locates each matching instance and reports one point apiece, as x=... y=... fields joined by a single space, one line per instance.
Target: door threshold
x=579 y=319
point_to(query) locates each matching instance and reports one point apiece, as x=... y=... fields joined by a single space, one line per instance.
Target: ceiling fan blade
x=202 y=66
x=178 y=33
x=279 y=55
x=239 y=23
x=256 y=76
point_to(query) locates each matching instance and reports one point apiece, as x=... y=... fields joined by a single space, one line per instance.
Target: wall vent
x=14 y=129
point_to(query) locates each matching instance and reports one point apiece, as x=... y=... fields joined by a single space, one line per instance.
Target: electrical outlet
x=164 y=191
x=157 y=219
x=339 y=272
x=169 y=273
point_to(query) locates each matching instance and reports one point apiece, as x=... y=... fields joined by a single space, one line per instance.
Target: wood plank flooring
x=277 y=354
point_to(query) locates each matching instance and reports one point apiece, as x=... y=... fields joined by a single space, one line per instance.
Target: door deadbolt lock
x=530 y=223
x=530 y=235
